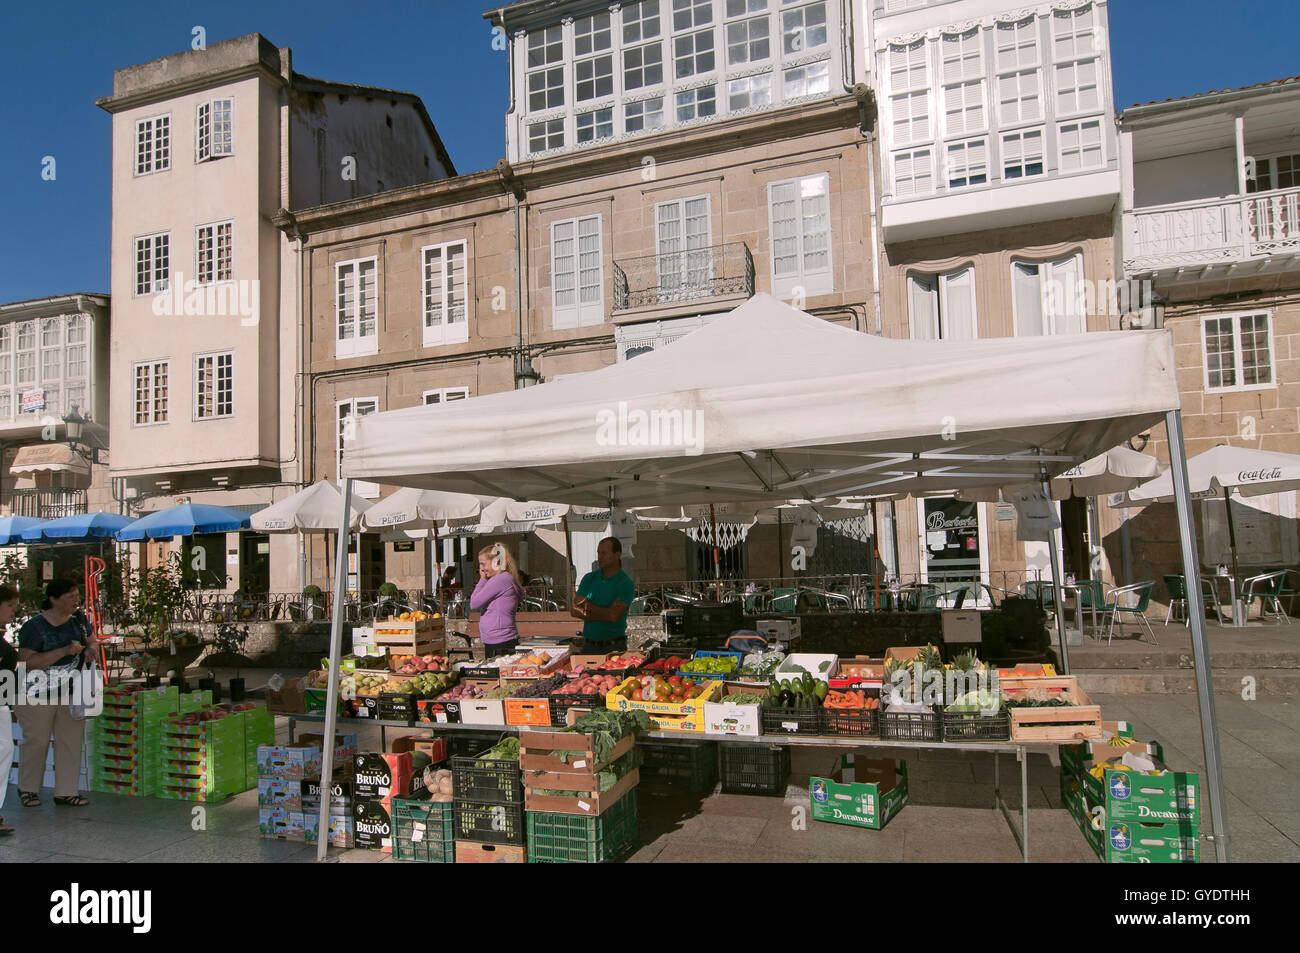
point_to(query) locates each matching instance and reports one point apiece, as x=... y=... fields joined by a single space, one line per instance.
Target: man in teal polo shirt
x=602 y=598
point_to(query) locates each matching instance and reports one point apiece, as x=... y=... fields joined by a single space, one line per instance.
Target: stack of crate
x=570 y=820
x=116 y=754
x=203 y=760
x=488 y=809
x=1127 y=815
x=259 y=729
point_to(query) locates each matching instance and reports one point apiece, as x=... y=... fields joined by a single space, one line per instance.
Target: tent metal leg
x=336 y=652
x=1200 y=647
x=1052 y=540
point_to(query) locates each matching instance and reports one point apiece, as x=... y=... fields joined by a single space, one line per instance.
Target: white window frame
x=912 y=155
x=691 y=270
x=153 y=283
x=801 y=46
x=817 y=281
x=548 y=125
x=357 y=345
x=747 y=86
x=909 y=93
x=1021 y=119
x=593 y=57
x=159 y=156
x=199 y=239
x=1021 y=134
x=1004 y=67
x=697 y=56
x=544 y=68
x=746 y=45
x=151 y=399
x=34 y=352
x=1060 y=145
x=641 y=70
x=696 y=100
x=1273 y=173
x=209 y=148
x=1235 y=317
x=595 y=125
x=445 y=331
x=944 y=284
x=965 y=147
x=216 y=401
x=1078 y=58
x=361 y=488
x=806 y=70
x=443 y=395
x=645 y=114
x=1050 y=320
x=578 y=314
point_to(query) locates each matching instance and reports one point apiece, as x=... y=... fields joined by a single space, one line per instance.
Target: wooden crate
x=535 y=749
x=1078 y=721
x=472 y=852
x=411 y=638
x=586 y=800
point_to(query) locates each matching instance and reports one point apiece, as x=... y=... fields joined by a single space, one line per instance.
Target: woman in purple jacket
x=497 y=597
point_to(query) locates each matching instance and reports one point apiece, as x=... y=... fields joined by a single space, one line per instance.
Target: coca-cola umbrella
x=1220 y=472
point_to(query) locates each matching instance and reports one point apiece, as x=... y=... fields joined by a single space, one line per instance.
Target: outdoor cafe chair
x=784 y=600
x=1267 y=588
x=1178 y=597
x=1139 y=593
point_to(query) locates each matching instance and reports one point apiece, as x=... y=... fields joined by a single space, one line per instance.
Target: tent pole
x=332 y=690
x=1200 y=647
x=717 y=584
x=1053 y=538
x=437 y=568
x=875 y=552
x=1232 y=545
x=568 y=560
x=780 y=549
x=302 y=562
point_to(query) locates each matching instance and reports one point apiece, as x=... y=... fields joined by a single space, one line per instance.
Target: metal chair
x=1177 y=587
x=785 y=600
x=1139 y=591
x=1267 y=588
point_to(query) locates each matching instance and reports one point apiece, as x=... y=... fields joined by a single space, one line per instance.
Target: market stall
x=722 y=416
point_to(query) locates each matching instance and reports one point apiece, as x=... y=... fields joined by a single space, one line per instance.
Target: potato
x=441 y=799
x=444 y=786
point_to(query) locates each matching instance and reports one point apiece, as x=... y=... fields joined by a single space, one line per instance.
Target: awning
x=51 y=458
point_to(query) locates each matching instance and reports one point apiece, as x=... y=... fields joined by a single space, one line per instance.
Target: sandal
x=5 y=831
x=29 y=798
x=73 y=800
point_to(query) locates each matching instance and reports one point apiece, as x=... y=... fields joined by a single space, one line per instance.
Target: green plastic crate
x=574 y=839
x=423 y=832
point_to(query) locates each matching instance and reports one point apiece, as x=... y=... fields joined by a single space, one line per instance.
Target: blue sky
x=57 y=58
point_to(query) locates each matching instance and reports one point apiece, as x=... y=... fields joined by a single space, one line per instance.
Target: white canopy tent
x=769 y=403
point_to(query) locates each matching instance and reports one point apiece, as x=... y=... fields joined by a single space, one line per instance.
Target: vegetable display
x=606 y=728
x=850 y=700
x=673 y=690
x=711 y=664
x=804 y=692
x=540 y=688
x=507 y=749
x=670 y=664
x=745 y=698
x=759 y=666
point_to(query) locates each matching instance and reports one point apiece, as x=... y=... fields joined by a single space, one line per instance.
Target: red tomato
x=637 y=696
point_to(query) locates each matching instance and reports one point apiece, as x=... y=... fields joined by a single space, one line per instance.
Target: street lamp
x=75 y=427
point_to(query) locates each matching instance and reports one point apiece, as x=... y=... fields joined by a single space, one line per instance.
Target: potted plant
x=387 y=604
x=311 y=596
x=229 y=644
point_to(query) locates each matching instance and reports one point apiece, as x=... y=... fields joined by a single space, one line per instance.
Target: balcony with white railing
x=1211 y=236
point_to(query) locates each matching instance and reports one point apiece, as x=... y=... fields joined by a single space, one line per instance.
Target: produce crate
x=1079 y=720
x=561 y=705
x=976 y=726
x=423 y=832
x=490 y=823
x=910 y=726
x=792 y=721
x=558 y=659
x=544 y=771
x=567 y=838
x=473 y=852
x=462 y=744
x=585 y=800
x=425 y=637
x=528 y=711
x=486 y=780
x=430 y=711
x=754 y=769
x=705 y=676
x=691 y=765
x=619 y=701
x=398 y=706
x=860 y=722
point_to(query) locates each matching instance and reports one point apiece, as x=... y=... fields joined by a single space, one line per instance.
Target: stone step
x=1180 y=681
x=1099 y=659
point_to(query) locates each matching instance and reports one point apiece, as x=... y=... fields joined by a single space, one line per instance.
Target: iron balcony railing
x=48 y=504
x=695 y=274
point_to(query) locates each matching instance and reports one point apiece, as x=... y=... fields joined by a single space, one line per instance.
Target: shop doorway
x=203 y=561
x=254 y=563
x=954 y=548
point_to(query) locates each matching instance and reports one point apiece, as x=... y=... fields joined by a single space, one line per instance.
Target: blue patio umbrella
x=11 y=528
x=82 y=528
x=187 y=519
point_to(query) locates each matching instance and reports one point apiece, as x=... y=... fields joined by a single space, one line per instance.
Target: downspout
x=866 y=124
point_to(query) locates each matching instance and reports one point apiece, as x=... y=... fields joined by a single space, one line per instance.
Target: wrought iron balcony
x=1213 y=231
x=47 y=504
x=717 y=271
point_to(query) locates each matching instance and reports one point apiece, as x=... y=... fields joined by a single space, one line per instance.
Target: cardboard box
x=961 y=626
x=903 y=653
x=472 y=852
x=1080 y=757
x=345 y=746
x=280 y=823
x=431 y=746
x=866 y=792
x=810 y=661
x=433 y=712
x=742 y=720
x=279 y=792
x=482 y=711
x=1167 y=798
x=295 y=762
x=341 y=796
x=382 y=774
x=341 y=829
x=372 y=823
x=1133 y=842
x=778 y=630
x=289 y=700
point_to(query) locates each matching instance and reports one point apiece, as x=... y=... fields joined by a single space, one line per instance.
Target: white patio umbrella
x=311 y=510
x=1219 y=472
x=1116 y=470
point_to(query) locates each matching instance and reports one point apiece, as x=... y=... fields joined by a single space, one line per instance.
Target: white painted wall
x=1186 y=178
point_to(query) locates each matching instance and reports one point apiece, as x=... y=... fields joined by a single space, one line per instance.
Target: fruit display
x=804 y=692
x=672 y=690
x=670 y=664
x=413 y=664
x=212 y=714
x=418 y=616
x=619 y=663
x=711 y=665
x=424 y=685
x=355 y=685
x=589 y=685
x=538 y=689
x=850 y=700
x=460 y=692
